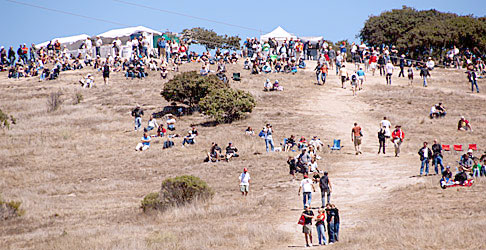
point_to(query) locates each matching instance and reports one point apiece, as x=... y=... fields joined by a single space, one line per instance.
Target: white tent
x=124 y=32
x=70 y=40
x=279 y=34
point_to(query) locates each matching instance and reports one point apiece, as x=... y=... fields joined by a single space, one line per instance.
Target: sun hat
x=245 y=170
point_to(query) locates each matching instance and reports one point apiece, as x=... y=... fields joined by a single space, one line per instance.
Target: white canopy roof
x=65 y=40
x=127 y=32
x=279 y=34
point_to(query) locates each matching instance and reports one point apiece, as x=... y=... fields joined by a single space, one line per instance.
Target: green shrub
x=190 y=87
x=227 y=105
x=6 y=120
x=10 y=209
x=177 y=191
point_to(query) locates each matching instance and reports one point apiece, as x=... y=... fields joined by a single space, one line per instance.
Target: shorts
x=373 y=65
x=410 y=77
x=357 y=140
x=354 y=83
x=361 y=78
x=307 y=229
x=244 y=188
x=343 y=79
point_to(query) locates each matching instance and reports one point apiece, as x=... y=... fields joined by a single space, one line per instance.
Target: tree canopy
x=210 y=39
x=420 y=31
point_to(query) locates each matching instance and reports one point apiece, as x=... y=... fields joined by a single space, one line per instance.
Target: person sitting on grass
x=164 y=72
x=231 y=151
x=87 y=82
x=276 y=86
x=437 y=111
x=266 y=68
x=171 y=122
x=188 y=139
x=161 y=130
x=214 y=153
x=441 y=109
x=447 y=175
x=464 y=124
x=152 y=123
x=466 y=161
x=144 y=144
x=249 y=131
x=267 y=86
x=302 y=143
x=302 y=63
x=204 y=71
x=290 y=143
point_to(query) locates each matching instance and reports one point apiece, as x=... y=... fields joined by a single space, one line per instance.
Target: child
x=476 y=168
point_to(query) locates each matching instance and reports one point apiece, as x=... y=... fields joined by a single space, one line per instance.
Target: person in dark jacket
x=402 y=66
x=382 y=139
x=437 y=156
x=326 y=188
x=137 y=113
x=231 y=151
x=424 y=73
x=425 y=155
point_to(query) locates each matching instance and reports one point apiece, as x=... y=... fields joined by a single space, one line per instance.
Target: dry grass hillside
x=80 y=180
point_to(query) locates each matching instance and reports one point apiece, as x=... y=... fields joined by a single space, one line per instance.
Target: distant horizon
x=38 y=25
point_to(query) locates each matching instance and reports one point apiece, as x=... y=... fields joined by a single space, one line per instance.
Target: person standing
x=321 y=229
x=424 y=73
x=268 y=131
x=437 y=154
x=361 y=78
x=307 y=188
x=106 y=72
x=98 y=44
x=336 y=222
x=397 y=139
x=330 y=217
x=307 y=227
x=386 y=124
x=244 y=182
x=402 y=66
x=356 y=136
x=137 y=113
x=381 y=139
x=472 y=77
x=410 y=75
x=343 y=73
x=389 y=72
x=425 y=154
x=326 y=188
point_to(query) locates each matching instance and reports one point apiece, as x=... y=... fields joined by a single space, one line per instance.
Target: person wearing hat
x=307 y=227
x=307 y=187
x=267 y=85
x=425 y=155
x=397 y=139
x=466 y=161
x=268 y=135
x=231 y=151
x=430 y=64
x=244 y=182
x=316 y=143
x=464 y=124
x=402 y=66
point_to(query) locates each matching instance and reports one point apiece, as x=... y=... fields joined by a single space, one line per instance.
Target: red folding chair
x=458 y=147
x=446 y=147
x=473 y=146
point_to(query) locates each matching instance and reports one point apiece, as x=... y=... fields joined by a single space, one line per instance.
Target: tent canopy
x=65 y=40
x=127 y=32
x=279 y=34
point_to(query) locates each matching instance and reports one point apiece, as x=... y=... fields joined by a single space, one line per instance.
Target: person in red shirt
x=463 y=124
x=397 y=139
x=373 y=63
x=356 y=138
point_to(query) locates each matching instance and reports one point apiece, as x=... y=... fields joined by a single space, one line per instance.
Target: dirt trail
x=358 y=181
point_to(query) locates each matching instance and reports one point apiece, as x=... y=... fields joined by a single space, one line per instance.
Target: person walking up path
x=425 y=155
x=437 y=151
x=381 y=139
x=326 y=189
x=356 y=136
x=307 y=227
x=320 y=227
x=397 y=139
x=389 y=72
x=307 y=188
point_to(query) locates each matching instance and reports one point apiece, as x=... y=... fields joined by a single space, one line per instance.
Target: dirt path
x=358 y=181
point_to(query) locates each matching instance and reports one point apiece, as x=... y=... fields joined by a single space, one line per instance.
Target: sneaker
x=310 y=245
x=307 y=245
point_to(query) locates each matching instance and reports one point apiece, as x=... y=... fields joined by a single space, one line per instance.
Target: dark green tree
x=226 y=105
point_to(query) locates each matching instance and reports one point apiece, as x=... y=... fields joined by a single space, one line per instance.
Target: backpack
x=354 y=78
x=261 y=134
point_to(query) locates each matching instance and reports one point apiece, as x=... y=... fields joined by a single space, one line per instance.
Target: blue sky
x=335 y=20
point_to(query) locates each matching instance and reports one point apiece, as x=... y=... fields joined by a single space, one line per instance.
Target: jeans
x=149 y=128
x=307 y=198
x=330 y=232
x=476 y=172
x=187 y=141
x=425 y=162
x=401 y=72
x=323 y=197
x=438 y=161
x=474 y=83
x=269 y=142
x=98 y=51
x=425 y=81
x=338 y=67
x=138 y=123
x=388 y=78
x=336 y=231
x=42 y=76
x=321 y=230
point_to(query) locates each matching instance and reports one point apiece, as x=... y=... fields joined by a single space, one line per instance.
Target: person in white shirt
x=389 y=72
x=430 y=64
x=135 y=46
x=244 y=182
x=387 y=125
x=117 y=45
x=307 y=188
x=88 y=45
x=171 y=123
x=152 y=123
x=316 y=143
x=98 y=44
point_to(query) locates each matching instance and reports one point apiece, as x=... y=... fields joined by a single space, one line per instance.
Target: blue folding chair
x=336 y=145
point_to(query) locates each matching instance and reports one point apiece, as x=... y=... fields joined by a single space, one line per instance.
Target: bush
x=10 y=209
x=6 y=120
x=54 y=102
x=177 y=191
x=190 y=87
x=227 y=105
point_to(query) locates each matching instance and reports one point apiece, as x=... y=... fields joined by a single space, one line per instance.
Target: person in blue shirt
x=361 y=77
x=144 y=144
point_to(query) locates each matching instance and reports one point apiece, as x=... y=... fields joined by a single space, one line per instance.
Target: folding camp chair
x=458 y=148
x=446 y=148
x=236 y=77
x=336 y=145
x=473 y=147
